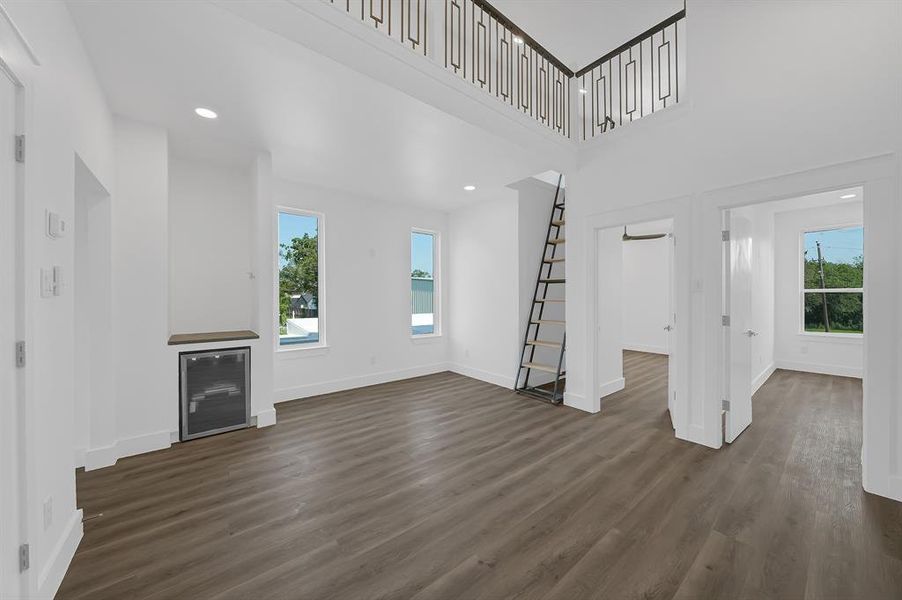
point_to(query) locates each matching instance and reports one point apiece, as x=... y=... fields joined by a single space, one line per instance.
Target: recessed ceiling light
x=469 y=188
x=847 y=196
x=518 y=39
x=205 y=113
x=583 y=91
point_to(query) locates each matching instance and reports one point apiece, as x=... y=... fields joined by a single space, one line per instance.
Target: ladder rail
x=555 y=222
x=535 y=294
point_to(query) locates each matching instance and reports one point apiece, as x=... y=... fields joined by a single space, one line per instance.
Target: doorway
x=92 y=293
x=793 y=294
x=636 y=316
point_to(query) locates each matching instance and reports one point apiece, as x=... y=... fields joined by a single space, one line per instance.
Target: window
x=423 y=300
x=833 y=280
x=300 y=266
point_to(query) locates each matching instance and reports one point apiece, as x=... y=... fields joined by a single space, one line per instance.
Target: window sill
x=303 y=352
x=842 y=338
x=426 y=338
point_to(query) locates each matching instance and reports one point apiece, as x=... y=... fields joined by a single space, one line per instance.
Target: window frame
x=321 y=270
x=803 y=290
x=436 y=284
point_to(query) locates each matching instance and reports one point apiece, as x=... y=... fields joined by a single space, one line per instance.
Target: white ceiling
x=578 y=32
x=323 y=122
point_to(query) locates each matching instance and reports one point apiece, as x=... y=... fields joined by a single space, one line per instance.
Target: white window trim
x=436 y=284
x=316 y=348
x=803 y=290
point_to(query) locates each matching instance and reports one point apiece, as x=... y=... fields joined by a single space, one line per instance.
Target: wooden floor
x=445 y=487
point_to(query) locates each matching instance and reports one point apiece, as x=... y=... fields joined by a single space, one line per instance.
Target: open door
x=13 y=584
x=670 y=328
x=738 y=332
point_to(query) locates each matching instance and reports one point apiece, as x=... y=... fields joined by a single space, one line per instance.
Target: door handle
x=751 y=332
x=668 y=328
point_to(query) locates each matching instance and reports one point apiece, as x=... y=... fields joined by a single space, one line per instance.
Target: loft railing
x=406 y=21
x=640 y=77
x=485 y=48
x=480 y=45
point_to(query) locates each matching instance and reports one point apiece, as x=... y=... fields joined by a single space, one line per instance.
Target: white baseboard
x=266 y=418
x=504 y=381
x=51 y=576
x=696 y=435
x=106 y=456
x=763 y=376
x=608 y=388
x=579 y=402
x=350 y=383
x=98 y=458
x=838 y=370
x=646 y=348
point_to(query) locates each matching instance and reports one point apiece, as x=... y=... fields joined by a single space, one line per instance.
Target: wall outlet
x=803 y=350
x=372 y=360
x=48 y=512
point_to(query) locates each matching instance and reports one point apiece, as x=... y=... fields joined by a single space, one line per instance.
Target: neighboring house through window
x=423 y=288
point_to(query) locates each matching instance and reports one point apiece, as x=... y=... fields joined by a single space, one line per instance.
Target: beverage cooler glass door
x=215 y=391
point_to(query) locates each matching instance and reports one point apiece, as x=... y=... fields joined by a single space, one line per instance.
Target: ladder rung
x=543 y=343
x=540 y=367
x=548 y=300
x=558 y=222
x=560 y=205
x=549 y=322
x=561 y=280
x=552 y=260
x=556 y=241
x=543 y=395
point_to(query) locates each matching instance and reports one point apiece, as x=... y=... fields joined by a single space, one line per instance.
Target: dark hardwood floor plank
x=444 y=487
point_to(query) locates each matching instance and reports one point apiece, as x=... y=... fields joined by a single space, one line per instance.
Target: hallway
x=447 y=487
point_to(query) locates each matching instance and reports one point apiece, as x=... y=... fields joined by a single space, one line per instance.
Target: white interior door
x=670 y=328
x=738 y=341
x=11 y=471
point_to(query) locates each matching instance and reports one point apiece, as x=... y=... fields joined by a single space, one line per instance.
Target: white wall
x=774 y=121
x=646 y=290
x=210 y=247
x=818 y=353
x=483 y=290
x=65 y=115
x=140 y=292
x=367 y=294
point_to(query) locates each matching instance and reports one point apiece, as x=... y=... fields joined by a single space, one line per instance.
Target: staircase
x=546 y=281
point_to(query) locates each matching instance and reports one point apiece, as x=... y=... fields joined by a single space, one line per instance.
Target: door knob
x=668 y=328
x=751 y=332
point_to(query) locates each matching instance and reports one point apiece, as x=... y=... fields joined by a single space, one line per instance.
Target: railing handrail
x=517 y=30
x=627 y=45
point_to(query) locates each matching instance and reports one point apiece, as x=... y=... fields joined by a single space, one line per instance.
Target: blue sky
x=292 y=226
x=837 y=245
x=421 y=252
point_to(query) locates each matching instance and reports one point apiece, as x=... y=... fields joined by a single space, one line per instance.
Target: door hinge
x=20 y=148
x=725 y=405
x=20 y=354
x=725 y=235
x=725 y=320
x=24 y=558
